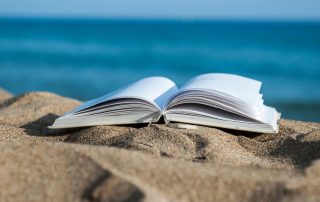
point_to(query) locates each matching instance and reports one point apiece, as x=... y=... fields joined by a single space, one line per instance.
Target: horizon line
x=170 y=18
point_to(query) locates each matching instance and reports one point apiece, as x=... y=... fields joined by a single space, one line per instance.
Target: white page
x=155 y=90
x=207 y=121
x=240 y=87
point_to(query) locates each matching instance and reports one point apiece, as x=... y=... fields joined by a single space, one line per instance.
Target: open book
x=219 y=100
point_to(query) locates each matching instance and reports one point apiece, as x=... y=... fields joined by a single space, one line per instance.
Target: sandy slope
x=149 y=163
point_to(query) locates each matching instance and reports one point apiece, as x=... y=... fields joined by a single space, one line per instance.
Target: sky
x=181 y=9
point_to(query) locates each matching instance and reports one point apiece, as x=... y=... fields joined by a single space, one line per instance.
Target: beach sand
x=149 y=163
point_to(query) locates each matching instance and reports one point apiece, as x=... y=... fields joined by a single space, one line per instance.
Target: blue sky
x=185 y=9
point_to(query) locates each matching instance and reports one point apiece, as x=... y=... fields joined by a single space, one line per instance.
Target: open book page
x=140 y=102
x=211 y=116
x=228 y=92
x=221 y=123
x=237 y=86
x=154 y=90
x=222 y=100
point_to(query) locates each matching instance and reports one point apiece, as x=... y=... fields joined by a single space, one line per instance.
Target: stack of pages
x=218 y=100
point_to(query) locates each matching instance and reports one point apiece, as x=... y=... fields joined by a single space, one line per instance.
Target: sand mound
x=34 y=111
x=64 y=172
x=4 y=95
x=149 y=163
x=201 y=145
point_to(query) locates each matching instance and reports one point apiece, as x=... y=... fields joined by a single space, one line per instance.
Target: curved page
x=154 y=90
x=236 y=86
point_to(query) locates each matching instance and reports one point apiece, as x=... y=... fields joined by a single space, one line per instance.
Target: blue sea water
x=84 y=59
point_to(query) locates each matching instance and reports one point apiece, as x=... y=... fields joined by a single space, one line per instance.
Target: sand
x=4 y=95
x=149 y=163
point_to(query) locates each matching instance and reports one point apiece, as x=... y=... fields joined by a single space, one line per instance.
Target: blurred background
x=84 y=49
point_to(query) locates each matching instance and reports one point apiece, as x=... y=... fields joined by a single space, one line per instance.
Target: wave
x=252 y=59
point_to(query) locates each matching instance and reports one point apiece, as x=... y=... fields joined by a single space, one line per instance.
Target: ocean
x=86 y=58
